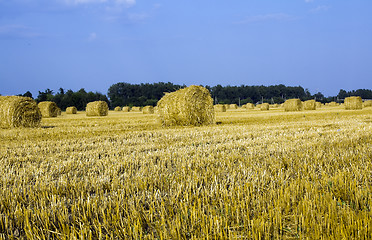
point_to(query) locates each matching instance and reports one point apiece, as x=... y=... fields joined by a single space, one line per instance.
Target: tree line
x=126 y=94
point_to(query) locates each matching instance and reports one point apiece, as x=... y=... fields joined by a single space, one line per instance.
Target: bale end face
x=48 y=109
x=293 y=105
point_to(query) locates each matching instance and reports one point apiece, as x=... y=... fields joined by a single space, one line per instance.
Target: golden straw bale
x=148 y=110
x=18 y=111
x=264 y=106
x=367 y=103
x=48 y=109
x=233 y=106
x=189 y=106
x=219 y=108
x=59 y=112
x=353 y=103
x=318 y=104
x=294 y=104
x=71 y=110
x=249 y=106
x=125 y=109
x=309 y=105
x=136 y=109
x=333 y=104
x=97 y=108
x=117 y=109
x=227 y=106
x=274 y=105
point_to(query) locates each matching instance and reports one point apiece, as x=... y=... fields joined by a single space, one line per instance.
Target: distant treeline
x=126 y=94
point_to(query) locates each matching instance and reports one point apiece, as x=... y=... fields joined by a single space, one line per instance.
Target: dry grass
x=18 y=112
x=257 y=175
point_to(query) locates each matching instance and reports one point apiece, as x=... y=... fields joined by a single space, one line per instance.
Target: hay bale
x=367 y=103
x=318 y=104
x=117 y=109
x=148 y=110
x=227 y=106
x=48 y=109
x=294 y=104
x=249 y=106
x=189 y=106
x=136 y=109
x=233 y=106
x=71 y=110
x=333 y=104
x=125 y=109
x=18 y=111
x=275 y=105
x=219 y=108
x=353 y=103
x=309 y=105
x=97 y=108
x=264 y=106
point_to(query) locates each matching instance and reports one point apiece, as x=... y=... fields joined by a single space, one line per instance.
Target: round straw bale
x=125 y=109
x=59 y=112
x=148 y=110
x=294 y=104
x=117 y=109
x=219 y=108
x=48 y=109
x=71 y=110
x=189 y=106
x=264 y=106
x=353 y=103
x=367 y=103
x=97 y=108
x=136 y=109
x=309 y=105
x=333 y=104
x=227 y=106
x=249 y=106
x=233 y=106
x=318 y=104
x=18 y=111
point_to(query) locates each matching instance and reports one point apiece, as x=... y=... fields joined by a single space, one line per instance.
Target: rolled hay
x=227 y=106
x=97 y=108
x=125 y=109
x=59 y=112
x=274 y=105
x=18 y=111
x=136 y=109
x=249 y=106
x=233 y=106
x=71 y=110
x=309 y=105
x=219 y=108
x=367 y=103
x=264 y=106
x=353 y=103
x=48 y=109
x=333 y=104
x=318 y=104
x=117 y=109
x=148 y=110
x=189 y=106
x=294 y=104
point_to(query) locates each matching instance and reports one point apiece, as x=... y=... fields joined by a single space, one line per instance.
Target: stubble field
x=254 y=175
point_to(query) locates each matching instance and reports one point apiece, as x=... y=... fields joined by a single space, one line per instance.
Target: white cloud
x=320 y=9
x=92 y=36
x=268 y=17
x=308 y=1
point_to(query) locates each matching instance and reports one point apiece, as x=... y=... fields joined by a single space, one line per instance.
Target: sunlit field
x=253 y=175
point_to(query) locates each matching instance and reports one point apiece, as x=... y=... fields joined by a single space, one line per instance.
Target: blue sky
x=322 y=45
